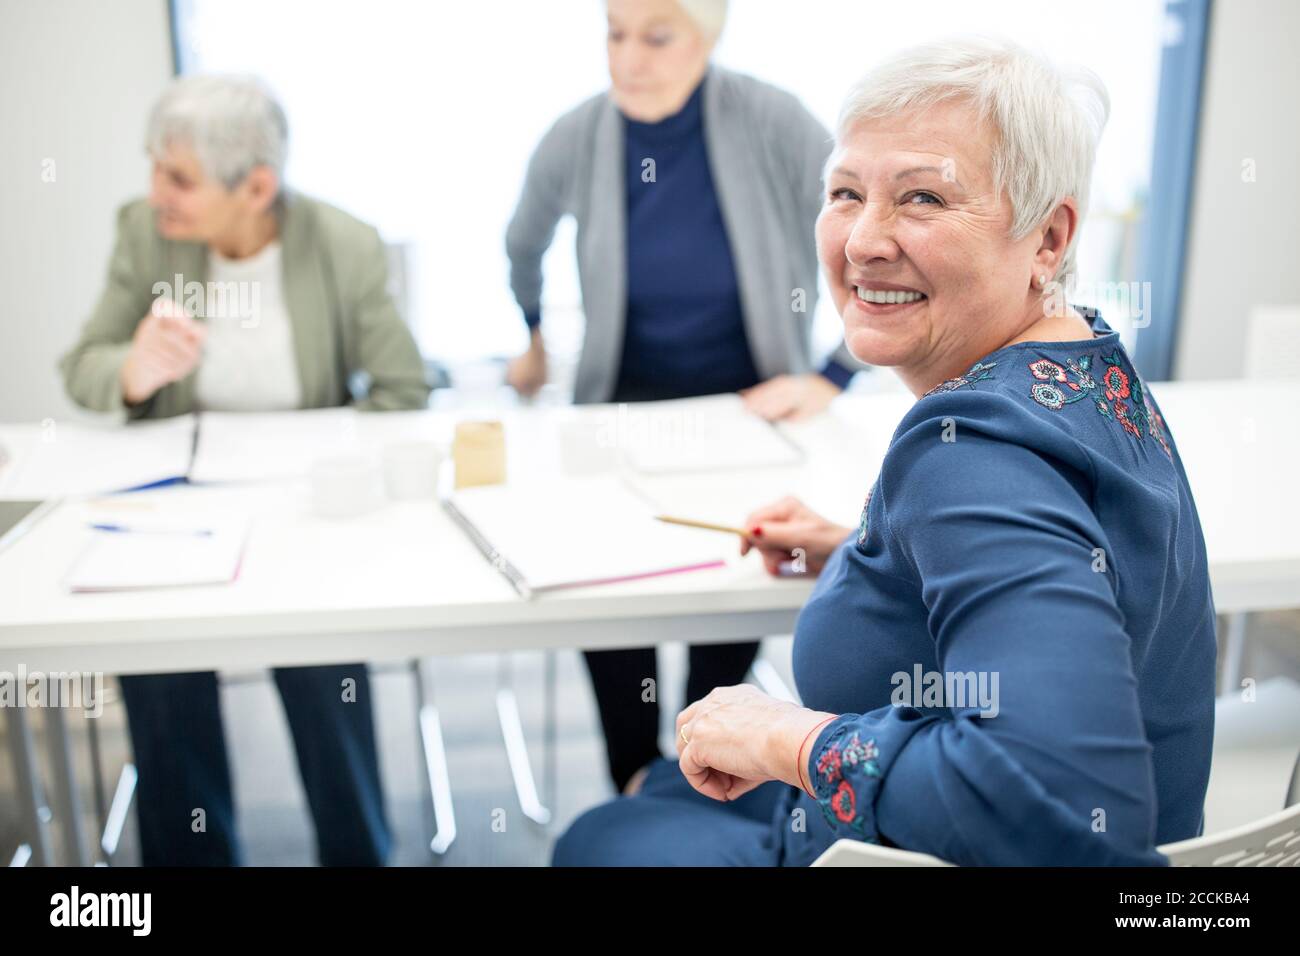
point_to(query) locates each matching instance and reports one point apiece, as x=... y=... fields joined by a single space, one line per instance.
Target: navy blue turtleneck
x=684 y=332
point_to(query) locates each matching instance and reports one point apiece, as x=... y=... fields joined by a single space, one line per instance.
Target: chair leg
x=115 y=819
x=433 y=755
x=512 y=732
x=770 y=680
x=1234 y=651
x=21 y=856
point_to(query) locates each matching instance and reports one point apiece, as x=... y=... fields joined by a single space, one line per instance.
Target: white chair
x=1273 y=342
x=1255 y=745
x=1272 y=352
x=1272 y=841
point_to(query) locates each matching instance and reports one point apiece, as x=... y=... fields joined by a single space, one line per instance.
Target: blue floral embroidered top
x=1019 y=639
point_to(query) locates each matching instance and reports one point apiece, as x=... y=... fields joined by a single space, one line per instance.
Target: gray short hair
x=708 y=15
x=233 y=124
x=1047 y=118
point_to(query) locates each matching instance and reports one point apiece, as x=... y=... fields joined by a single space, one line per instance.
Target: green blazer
x=343 y=319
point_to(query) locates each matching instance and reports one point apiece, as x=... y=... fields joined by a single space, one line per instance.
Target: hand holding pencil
x=779 y=529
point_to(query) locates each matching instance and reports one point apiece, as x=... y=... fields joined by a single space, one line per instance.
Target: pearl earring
x=1042 y=280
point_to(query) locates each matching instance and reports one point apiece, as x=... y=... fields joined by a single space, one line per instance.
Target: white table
x=402 y=582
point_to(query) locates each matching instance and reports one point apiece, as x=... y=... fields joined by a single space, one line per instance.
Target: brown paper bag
x=479 y=451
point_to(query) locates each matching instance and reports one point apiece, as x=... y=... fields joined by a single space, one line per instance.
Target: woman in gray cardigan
x=695 y=192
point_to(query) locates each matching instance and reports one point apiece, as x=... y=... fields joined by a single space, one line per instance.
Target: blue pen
x=123 y=529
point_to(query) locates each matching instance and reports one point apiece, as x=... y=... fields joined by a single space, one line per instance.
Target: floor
x=274 y=824
x=276 y=829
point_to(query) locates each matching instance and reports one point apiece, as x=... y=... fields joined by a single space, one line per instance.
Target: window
x=421 y=118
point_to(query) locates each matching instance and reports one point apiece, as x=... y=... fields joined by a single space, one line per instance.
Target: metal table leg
x=27 y=781
x=1234 y=652
x=64 y=786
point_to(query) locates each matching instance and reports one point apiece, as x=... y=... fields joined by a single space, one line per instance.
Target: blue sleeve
x=837 y=373
x=1000 y=536
x=533 y=318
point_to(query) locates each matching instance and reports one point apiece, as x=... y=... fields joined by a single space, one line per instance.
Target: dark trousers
x=629 y=713
x=180 y=754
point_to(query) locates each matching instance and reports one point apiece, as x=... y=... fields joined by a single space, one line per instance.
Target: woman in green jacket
x=226 y=292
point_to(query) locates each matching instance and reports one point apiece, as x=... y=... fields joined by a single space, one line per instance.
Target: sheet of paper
x=60 y=459
x=714 y=433
x=263 y=446
x=175 y=552
x=584 y=531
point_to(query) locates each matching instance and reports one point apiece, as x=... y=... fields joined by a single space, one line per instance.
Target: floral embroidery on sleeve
x=862 y=522
x=838 y=764
x=976 y=373
x=1118 y=396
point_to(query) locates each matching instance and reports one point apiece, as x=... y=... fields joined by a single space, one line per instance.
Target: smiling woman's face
x=911 y=215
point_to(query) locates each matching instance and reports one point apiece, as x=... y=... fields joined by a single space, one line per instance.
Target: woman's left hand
x=736 y=738
x=790 y=396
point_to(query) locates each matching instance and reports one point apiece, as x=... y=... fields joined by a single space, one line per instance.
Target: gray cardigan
x=766 y=153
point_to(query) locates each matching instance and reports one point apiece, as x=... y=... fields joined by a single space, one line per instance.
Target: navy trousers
x=180 y=754
x=670 y=823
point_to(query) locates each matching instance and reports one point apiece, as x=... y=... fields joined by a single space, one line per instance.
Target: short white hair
x=709 y=16
x=1047 y=118
x=232 y=123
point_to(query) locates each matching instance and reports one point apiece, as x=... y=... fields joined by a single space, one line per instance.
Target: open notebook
x=58 y=459
x=546 y=536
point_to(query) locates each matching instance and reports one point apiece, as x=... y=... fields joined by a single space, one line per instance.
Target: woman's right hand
x=778 y=529
x=167 y=345
x=526 y=373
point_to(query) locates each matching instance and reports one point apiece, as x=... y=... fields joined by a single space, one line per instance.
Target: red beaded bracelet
x=798 y=757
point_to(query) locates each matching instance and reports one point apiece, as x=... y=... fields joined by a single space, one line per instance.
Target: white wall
x=1244 y=247
x=77 y=78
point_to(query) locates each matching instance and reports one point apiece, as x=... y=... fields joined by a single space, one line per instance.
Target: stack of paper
x=158 y=555
x=238 y=446
x=694 y=434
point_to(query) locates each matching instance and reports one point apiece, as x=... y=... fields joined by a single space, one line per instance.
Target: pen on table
x=126 y=529
x=706 y=525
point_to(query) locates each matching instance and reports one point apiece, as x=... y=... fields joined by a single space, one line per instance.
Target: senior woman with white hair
x=227 y=292
x=1011 y=659
x=695 y=193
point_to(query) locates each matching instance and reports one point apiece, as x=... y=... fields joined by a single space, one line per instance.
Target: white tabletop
x=402 y=581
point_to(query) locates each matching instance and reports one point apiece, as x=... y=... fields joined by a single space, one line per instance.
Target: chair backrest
x=857 y=853
x=1271 y=841
x=1273 y=342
